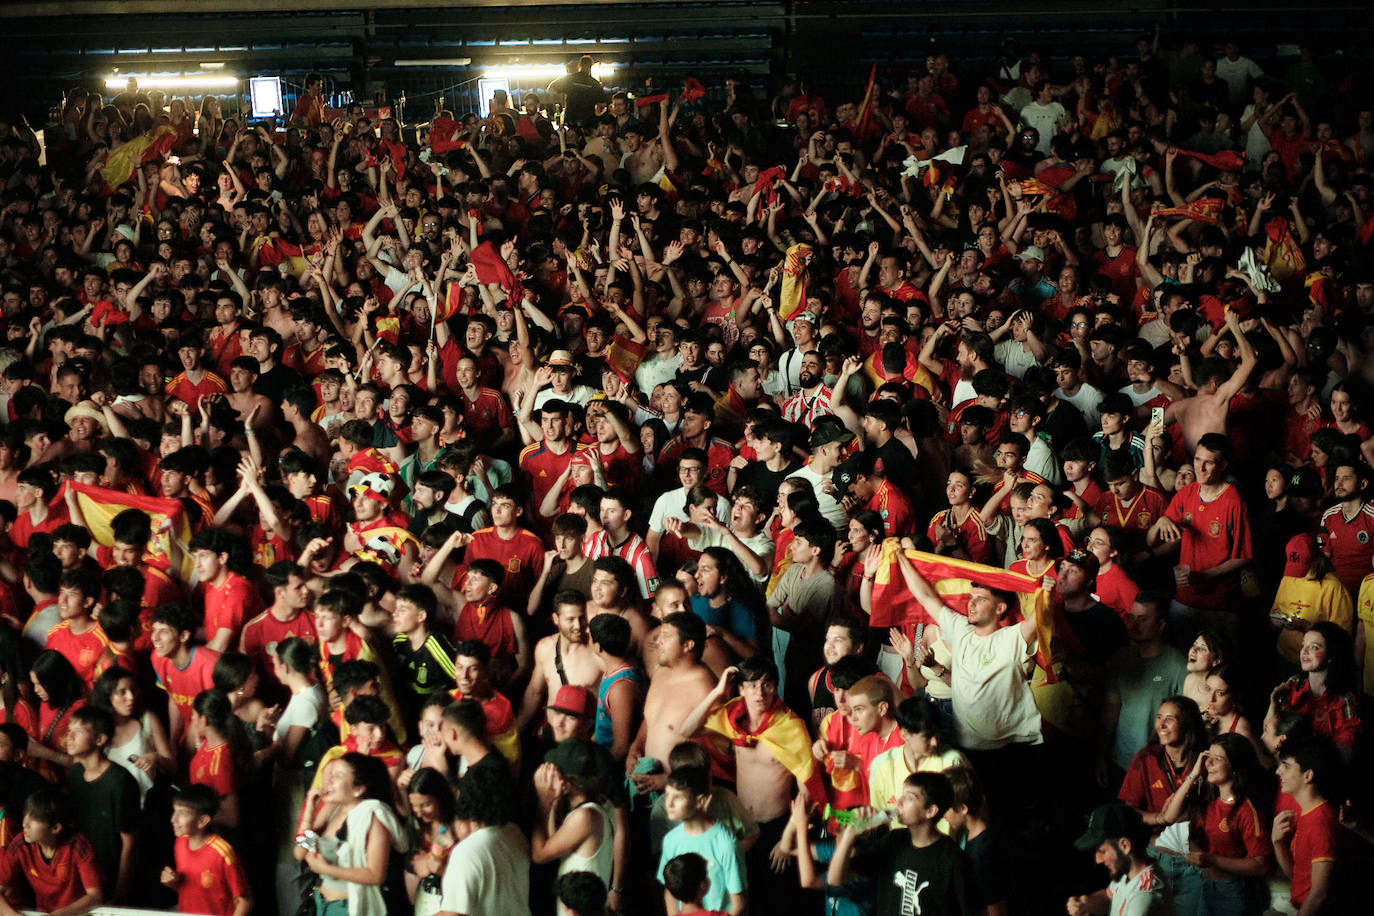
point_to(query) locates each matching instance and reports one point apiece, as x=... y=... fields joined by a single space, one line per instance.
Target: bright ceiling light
x=212 y=65
x=191 y=81
x=542 y=71
x=437 y=62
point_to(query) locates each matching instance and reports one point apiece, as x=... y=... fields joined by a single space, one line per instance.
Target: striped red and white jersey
x=632 y=550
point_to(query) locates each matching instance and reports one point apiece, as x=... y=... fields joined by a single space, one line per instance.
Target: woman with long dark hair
x=140 y=744
x=1177 y=741
x=222 y=757
x=1324 y=691
x=1228 y=844
x=357 y=827
x=60 y=693
x=430 y=829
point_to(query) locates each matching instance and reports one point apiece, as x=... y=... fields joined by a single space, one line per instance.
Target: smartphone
x=174 y=160
x=1156 y=416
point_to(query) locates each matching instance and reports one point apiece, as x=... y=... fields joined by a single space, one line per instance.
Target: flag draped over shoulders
x=782 y=733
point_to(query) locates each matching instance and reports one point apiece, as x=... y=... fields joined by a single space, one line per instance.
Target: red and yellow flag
x=867 y=105
x=1206 y=210
x=953 y=580
x=782 y=733
x=792 y=295
x=120 y=163
x=623 y=356
x=171 y=530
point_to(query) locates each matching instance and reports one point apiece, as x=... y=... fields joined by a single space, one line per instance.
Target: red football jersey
x=212 y=877
x=1213 y=532
x=55 y=884
x=214 y=767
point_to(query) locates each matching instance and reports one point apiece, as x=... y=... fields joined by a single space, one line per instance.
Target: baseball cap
x=1298 y=554
x=1084 y=560
x=574 y=701
x=844 y=475
x=807 y=316
x=1110 y=822
x=1304 y=483
x=1031 y=253
x=826 y=433
x=573 y=756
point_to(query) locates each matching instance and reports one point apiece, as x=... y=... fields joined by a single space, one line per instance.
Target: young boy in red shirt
x=55 y=864
x=208 y=876
x=78 y=637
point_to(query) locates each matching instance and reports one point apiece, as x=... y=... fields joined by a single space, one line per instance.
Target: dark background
x=51 y=45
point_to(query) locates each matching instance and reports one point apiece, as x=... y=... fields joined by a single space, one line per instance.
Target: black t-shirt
x=986 y=858
x=756 y=474
x=1099 y=629
x=277 y=381
x=104 y=809
x=934 y=880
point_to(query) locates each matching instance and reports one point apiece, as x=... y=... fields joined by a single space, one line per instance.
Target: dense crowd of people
x=910 y=501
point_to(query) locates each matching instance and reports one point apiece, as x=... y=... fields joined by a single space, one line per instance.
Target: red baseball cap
x=574 y=701
x=1298 y=555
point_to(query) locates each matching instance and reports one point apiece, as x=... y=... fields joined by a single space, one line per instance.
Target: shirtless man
x=1207 y=411
x=561 y=658
x=243 y=372
x=644 y=160
x=763 y=782
x=671 y=598
x=613 y=581
x=679 y=684
x=297 y=405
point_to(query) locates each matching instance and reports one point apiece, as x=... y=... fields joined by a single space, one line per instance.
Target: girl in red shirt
x=959 y=530
x=1041 y=549
x=217 y=758
x=1324 y=691
x=1229 y=839
x=60 y=693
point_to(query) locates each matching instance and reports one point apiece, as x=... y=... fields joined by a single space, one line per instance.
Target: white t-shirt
x=1138 y=399
x=488 y=874
x=303 y=709
x=760 y=543
x=580 y=395
x=1014 y=357
x=673 y=504
x=1046 y=120
x=831 y=510
x=1040 y=460
x=1147 y=894
x=990 y=682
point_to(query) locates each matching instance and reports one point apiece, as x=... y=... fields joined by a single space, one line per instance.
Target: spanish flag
x=452 y=304
x=866 y=106
x=792 y=297
x=120 y=163
x=953 y=580
x=623 y=355
x=171 y=530
x=276 y=251
x=782 y=733
x=1206 y=210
